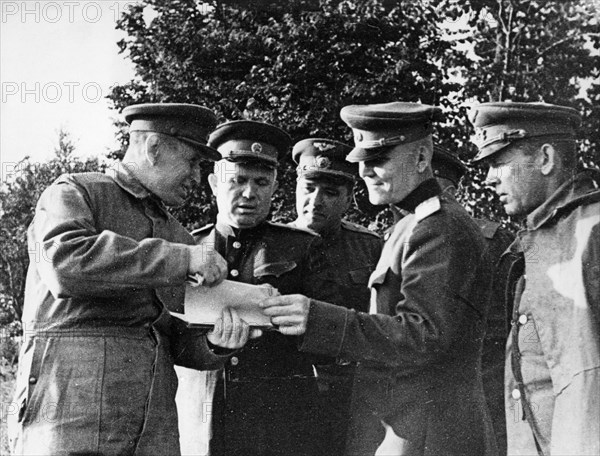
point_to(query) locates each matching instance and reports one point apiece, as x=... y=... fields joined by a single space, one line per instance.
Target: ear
x=549 y=159
x=275 y=185
x=212 y=181
x=348 y=201
x=152 y=149
x=423 y=159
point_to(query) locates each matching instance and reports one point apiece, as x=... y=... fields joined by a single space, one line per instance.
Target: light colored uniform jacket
x=560 y=290
x=96 y=366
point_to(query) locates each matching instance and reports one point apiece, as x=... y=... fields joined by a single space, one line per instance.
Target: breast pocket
x=360 y=276
x=263 y=272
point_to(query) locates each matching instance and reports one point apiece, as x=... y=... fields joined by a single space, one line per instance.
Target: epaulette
x=427 y=207
x=357 y=228
x=293 y=228
x=205 y=228
x=488 y=228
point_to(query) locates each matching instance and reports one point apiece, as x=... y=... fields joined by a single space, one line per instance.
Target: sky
x=57 y=62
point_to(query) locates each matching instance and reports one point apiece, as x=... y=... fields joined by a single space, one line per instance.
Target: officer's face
x=176 y=171
x=321 y=204
x=243 y=192
x=516 y=178
x=392 y=176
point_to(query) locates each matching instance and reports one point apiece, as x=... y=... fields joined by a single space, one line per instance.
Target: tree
x=18 y=197
x=527 y=50
x=292 y=66
x=295 y=64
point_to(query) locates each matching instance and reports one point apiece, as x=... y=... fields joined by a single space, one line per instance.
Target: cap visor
x=490 y=150
x=206 y=151
x=358 y=154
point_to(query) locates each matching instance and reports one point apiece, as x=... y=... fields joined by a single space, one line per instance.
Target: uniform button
x=32 y=380
x=234 y=360
x=237 y=244
x=235 y=272
x=523 y=319
x=516 y=394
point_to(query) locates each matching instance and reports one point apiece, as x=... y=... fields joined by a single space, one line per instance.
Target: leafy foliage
x=295 y=64
x=291 y=66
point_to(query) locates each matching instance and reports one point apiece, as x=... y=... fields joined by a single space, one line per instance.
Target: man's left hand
x=289 y=313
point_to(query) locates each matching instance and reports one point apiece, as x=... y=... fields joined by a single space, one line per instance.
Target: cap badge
x=358 y=136
x=322 y=162
x=323 y=147
x=256 y=148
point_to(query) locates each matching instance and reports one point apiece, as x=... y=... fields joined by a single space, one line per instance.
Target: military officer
x=449 y=170
x=266 y=397
x=107 y=261
x=553 y=352
x=418 y=348
x=323 y=194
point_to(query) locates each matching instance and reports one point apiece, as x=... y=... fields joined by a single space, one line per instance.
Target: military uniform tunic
x=352 y=252
x=96 y=366
x=553 y=354
x=419 y=352
x=266 y=397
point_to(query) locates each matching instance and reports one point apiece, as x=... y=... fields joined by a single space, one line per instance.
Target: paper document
x=203 y=305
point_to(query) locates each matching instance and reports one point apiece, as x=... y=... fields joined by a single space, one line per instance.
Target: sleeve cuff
x=325 y=329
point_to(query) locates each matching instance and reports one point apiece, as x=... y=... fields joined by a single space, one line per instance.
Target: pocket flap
x=360 y=275
x=274 y=269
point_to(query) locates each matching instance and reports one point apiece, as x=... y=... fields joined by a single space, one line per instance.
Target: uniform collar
x=568 y=194
x=131 y=184
x=426 y=190
x=227 y=230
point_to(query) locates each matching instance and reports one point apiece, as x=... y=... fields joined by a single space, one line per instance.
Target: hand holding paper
x=207 y=267
x=230 y=331
x=289 y=313
x=203 y=305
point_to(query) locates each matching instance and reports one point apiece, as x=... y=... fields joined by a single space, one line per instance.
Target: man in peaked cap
x=418 y=385
x=323 y=194
x=266 y=398
x=553 y=353
x=99 y=341
x=449 y=170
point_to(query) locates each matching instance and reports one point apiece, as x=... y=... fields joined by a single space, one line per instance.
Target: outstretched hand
x=230 y=331
x=288 y=312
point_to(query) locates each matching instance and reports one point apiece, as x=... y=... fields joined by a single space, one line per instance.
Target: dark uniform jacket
x=352 y=252
x=419 y=350
x=96 y=366
x=556 y=313
x=266 y=403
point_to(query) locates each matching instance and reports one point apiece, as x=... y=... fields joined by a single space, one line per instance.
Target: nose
x=493 y=176
x=249 y=191
x=365 y=169
x=317 y=198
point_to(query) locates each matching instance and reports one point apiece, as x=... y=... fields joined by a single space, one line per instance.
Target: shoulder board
x=357 y=228
x=204 y=229
x=292 y=228
x=427 y=208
